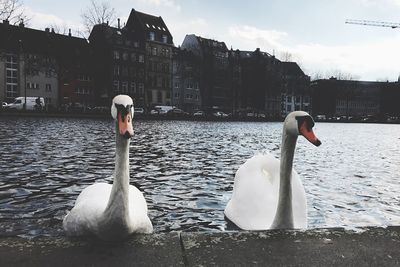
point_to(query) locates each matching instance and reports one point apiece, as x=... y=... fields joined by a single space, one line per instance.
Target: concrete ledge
x=320 y=247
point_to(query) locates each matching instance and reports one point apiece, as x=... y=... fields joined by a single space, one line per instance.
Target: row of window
x=163 y=37
x=133 y=88
x=158 y=81
x=30 y=85
x=158 y=51
x=297 y=99
x=189 y=85
x=158 y=66
x=131 y=72
x=11 y=76
x=83 y=91
x=187 y=96
x=128 y=56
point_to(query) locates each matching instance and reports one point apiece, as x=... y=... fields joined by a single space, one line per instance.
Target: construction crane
x=373 y=23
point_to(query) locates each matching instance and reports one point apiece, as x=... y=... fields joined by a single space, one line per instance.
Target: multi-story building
x=260 y=83
x=296 y=93
x=36 y=62
x=215 y=80
x=153 y=33
x=119 y=63
x=186 y=80
x=334 y=97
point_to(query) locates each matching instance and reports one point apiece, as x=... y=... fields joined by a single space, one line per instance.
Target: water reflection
x=186 y=170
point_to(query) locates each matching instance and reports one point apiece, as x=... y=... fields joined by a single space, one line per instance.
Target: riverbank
x=106 y=115
x=318 y=247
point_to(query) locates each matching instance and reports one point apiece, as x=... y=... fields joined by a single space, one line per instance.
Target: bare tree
x=338 y=74
x=97 y=13
x=13 y=11
x=286 y=56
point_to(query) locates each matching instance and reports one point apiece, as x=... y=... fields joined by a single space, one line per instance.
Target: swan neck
x=117 y=211
x=284 y=214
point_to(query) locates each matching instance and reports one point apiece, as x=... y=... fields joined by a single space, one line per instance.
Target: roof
x=212 y=44
x=19 y=38
x=148 y=22
x=292 y=68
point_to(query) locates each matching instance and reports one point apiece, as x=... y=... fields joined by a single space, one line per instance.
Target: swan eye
x=307 y=119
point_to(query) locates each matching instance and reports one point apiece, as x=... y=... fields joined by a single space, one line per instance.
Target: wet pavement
x=318 y=247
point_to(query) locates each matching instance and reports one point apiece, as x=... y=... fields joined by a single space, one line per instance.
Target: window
x=116 y=86
x=135 y=44
x=133 y=87
x=141 y=58
x=164 y=38
x=159 y=81
x=32 y=85
x=48 y=73
x=124 y=87
x=159 y=97
x=133 y=57
x=125 y=56
x=176 y=95
x=116 y=55
x=152 y=36
x=141 y=88
x=48 y=87
x=116 y=70
x=154 y=51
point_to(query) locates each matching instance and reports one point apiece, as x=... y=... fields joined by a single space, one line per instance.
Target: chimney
x=52 y=30
x=21 y=24
x=47 y=30
x=6 y=22
x=119 y=26
x=69 y=32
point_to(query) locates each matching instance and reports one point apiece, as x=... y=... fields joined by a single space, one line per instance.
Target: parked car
x=139 y=111
x=177 y=112
x=199 y=113
x=220 y=114
x=32 y=103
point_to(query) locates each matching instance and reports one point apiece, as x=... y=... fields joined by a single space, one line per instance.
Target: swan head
x=301 y=123
x=122 y=112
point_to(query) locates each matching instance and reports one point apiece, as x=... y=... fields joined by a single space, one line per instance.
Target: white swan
x=267 y=194
x=112 y=211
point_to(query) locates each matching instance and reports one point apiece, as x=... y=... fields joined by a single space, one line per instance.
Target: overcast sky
x=313 y=32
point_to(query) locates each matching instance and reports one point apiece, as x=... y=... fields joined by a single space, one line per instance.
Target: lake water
x=186 y=169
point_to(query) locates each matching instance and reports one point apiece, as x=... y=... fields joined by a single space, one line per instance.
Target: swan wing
x=255 y=195
x=89 y=206
x=138 y=211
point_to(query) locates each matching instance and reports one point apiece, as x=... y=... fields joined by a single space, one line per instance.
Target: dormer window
x=147 y=25
x=152 y=36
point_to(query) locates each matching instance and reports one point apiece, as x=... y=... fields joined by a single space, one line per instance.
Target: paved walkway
x=322 y=247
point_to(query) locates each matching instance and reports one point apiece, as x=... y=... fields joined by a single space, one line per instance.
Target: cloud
x=162 y=3
x=41 y=21
x=265 y=39
x=369 y=61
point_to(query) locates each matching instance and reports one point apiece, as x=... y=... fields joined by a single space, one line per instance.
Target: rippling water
x=186 y=170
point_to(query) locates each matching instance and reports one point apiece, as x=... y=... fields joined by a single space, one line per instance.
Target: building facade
x=154 y=34
x=215 y=80
x=348 y=98
x=186 y=80
x=35 y=63
x=296 y=92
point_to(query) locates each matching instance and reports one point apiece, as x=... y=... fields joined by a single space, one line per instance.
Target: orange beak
x=306 y=131
x=125 y=125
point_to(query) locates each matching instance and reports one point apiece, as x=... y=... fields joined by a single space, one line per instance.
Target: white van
x=32 y=103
